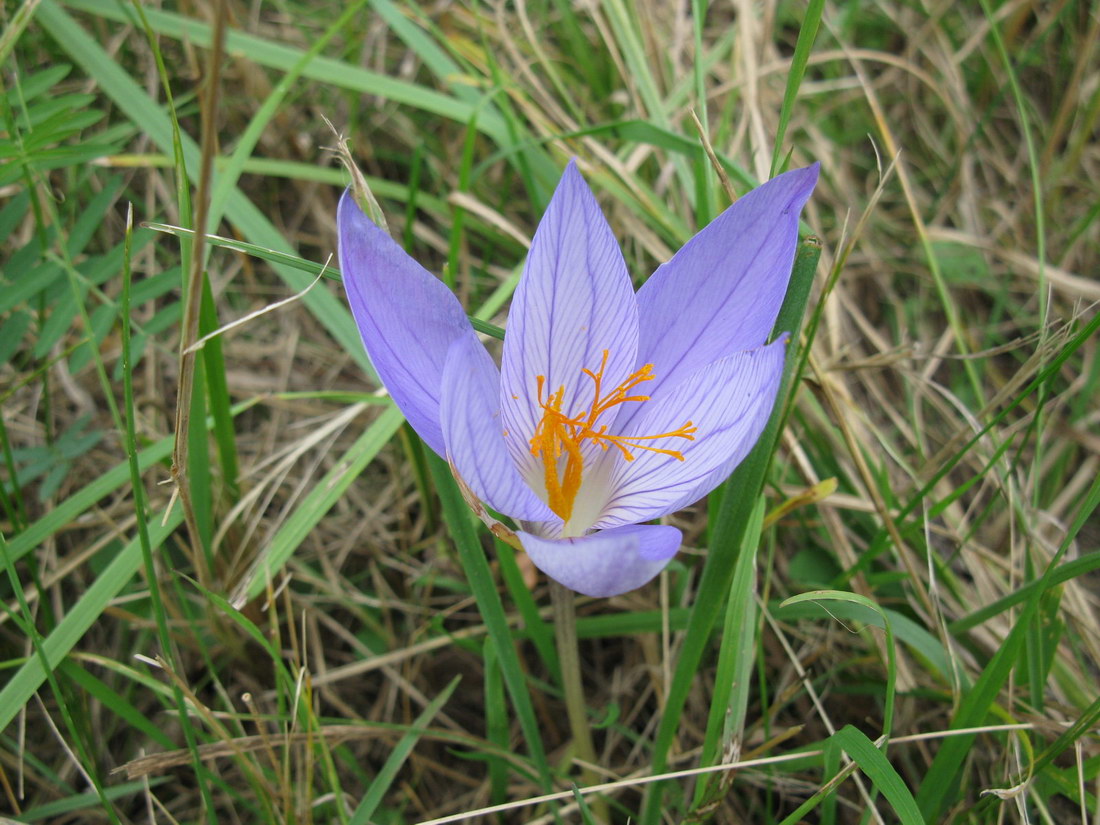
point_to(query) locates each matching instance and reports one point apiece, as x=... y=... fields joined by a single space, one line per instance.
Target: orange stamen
x=558 y=434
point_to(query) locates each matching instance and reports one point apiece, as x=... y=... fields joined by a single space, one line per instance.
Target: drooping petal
x=575 y=300
x=721 y=292
x=406 y=316
x=728 y=402
x=474 y=434
x=606 y=563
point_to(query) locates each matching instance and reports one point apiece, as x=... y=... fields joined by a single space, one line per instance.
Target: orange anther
x=558 y=434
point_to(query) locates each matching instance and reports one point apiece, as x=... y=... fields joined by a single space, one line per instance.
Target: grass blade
x=807 y=34
x=316 y=504
x=137 y=105
x=875 y=766
x=738 y=498
x=108 y=584
x=459 y=522
x=388 y=772
x=735 y=660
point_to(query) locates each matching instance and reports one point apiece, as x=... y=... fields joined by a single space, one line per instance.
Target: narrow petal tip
x=406 y=317
x=802 y=182
x=721 y=292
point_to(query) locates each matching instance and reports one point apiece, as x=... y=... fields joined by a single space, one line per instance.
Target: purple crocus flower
x=611 y=407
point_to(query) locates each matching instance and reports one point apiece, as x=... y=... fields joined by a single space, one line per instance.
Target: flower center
x=559 y=434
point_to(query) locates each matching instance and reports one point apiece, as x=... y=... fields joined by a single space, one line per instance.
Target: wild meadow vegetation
x=237 y=588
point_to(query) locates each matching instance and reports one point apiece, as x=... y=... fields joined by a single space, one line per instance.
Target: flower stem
x=565 y=632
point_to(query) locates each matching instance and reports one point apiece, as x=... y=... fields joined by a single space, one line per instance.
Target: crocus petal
x=575 y=300
x=728 y=402
x=472 y=429
x=406 y=316
x=721 y=292
x=606 y=563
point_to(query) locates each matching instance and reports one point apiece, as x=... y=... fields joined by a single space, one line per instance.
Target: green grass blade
x=738 y=499
x=1081 y=566
x=79 y=502
x=496 y=722
x=79 y=736
x=891 y=653
x=199 y=476
x=875 y=767
x=316 y=504
x=458 y=518
x=113 y=701
x=906 y=630
x=140 y=108
x=491 y=307
x=726 y=721
x=540 y=633
x=63 y=809
x=230 y=173
x=807 y=34
x=388 y=772
x=705 y=175
x=629 y=40
x=17 y=692
x=1048 y=373
x=14 y=27
x=942 y=779
x=141 y=513
x=331 y=72
x=217 y=389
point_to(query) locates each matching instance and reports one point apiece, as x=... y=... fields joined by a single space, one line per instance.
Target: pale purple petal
x=575 y=300
x=728 y=402
x=721 y=292
x=474 y=434
x=606 y=563
x=406 y=316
